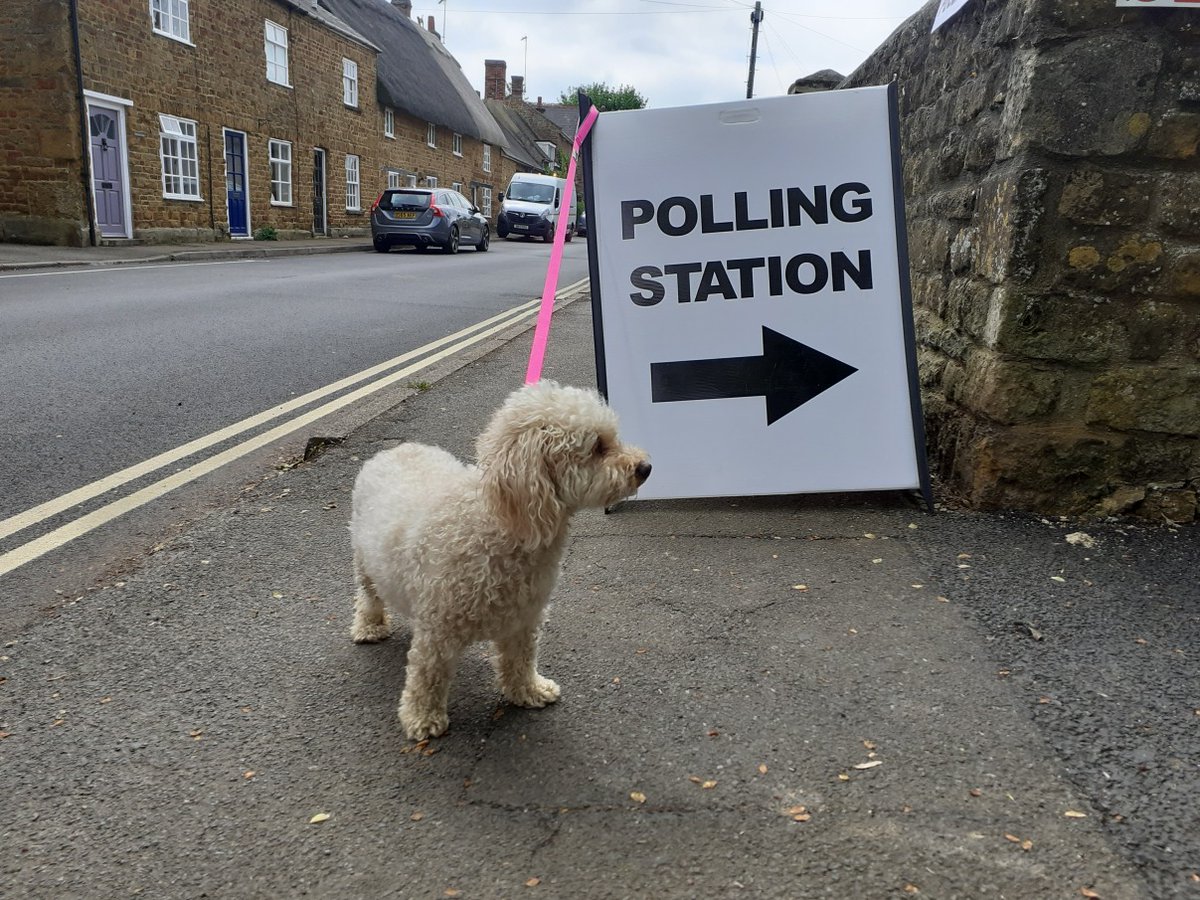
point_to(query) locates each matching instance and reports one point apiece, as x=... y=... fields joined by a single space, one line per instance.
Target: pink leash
x=541 y=334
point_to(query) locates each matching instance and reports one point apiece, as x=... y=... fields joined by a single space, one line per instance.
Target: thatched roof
x=416 y=74
x=311 y=9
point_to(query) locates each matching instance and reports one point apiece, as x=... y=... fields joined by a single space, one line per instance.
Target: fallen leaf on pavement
x=801 y=817
x=1075 y=814
x=796 y=810
x=762 y=769
x=870 y=765
x=975 y=792
x=842 y=776
x=1058 y=578
x=533 y=882
x=452 y=892
x=1088 y=892
x=695 y=779
x=417 y=816
x=319 y=818
x=637 y=797
x=249 y=774
x=1013 y=838
x=709 y=785
x=911 y=889
x=799 y=587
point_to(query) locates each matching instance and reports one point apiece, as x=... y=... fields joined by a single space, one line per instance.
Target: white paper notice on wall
x=750 y=294
x=947 y=9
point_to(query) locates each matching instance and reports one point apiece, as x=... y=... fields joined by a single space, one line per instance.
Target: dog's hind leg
x=423 y=705
x=370 y=617
x=516 y=667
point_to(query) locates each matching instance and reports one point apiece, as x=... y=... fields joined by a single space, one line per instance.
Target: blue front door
x=235 y=183
x=108 y=187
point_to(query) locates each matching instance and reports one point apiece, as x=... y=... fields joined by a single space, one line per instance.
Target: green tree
x=606 y=98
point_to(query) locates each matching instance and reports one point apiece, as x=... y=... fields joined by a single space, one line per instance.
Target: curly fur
x=470 y=553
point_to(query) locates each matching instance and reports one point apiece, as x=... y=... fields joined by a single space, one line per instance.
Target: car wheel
x=452 y=244
x=382 y=245
x=484 y=239
x=570 y=234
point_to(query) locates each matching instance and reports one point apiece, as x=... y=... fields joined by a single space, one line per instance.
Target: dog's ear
x=518 y=485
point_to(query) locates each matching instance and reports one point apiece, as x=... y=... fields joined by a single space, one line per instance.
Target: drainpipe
x=85 y=133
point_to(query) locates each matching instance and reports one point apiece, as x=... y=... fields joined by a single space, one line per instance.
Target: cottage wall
x=42 y=196
x=1053 y=193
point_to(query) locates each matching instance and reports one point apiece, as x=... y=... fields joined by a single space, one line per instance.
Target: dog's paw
x=536 y=695
x=421 y=725
x=370 y=632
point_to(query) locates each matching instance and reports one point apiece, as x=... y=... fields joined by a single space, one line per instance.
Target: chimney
x=518 y=87
x=405 y=6
x=495 y=74
x=430 y=25
x=541 y=107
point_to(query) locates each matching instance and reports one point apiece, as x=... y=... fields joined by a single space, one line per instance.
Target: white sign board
x=754 y=327
x=946 y=11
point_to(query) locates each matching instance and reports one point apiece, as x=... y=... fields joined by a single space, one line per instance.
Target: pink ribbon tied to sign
x=541 y=334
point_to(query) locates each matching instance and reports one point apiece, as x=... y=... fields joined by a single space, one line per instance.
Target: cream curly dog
x=471 y=553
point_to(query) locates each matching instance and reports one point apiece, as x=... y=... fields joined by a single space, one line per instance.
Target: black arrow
x=788 y=374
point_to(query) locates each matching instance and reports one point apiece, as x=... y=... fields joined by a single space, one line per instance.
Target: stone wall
x=1050 y=164
x=41 y=182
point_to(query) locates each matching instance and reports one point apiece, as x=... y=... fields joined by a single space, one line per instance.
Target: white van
x=530 y=207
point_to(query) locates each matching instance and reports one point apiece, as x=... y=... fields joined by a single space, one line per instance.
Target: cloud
x=675 y=53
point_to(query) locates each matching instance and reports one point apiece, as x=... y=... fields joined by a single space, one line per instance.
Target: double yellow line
x=436 y=350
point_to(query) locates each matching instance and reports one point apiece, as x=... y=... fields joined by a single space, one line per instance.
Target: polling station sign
x=750 y=294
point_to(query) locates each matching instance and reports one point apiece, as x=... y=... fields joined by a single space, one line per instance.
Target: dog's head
x=549 y=451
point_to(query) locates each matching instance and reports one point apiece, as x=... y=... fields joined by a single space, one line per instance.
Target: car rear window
x=405 y=199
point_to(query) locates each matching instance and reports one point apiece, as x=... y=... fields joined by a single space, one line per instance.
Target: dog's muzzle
x=642 y=472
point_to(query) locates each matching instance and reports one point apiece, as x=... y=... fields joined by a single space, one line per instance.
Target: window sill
x=279 y=84
x=184 y=197
x=289 y=204
x=172 y=37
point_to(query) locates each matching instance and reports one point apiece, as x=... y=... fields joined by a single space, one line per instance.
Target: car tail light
x=375 y=205
x=437 y=211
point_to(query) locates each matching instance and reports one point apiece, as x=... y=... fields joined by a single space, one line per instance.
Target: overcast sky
x=674 y=52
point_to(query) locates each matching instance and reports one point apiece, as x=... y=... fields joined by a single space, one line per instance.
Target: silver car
x=427 y=216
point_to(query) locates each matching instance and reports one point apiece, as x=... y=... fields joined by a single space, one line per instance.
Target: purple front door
x=107 y=185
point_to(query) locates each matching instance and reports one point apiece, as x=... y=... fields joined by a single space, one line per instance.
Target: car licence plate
x=404 y=215
x=520 y=228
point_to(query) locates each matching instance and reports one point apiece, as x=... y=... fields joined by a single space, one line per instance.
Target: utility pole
x=755 y=17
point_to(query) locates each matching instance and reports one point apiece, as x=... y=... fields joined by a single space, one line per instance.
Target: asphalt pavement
x=838 y=696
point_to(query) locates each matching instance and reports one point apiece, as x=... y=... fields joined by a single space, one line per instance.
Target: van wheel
x=548 y=237
x=570 y=234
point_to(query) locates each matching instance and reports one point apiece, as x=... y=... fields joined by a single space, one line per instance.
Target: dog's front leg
x=423 y=705
x=516 y=666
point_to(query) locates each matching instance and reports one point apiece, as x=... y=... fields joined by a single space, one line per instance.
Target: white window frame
x=353 y=184
x=170 y=18
x=486 y=206
x=179 y=168
x=389 y=122
x=457 y=145
x=487 y=157
x=281 y=166
x=431 y=135
x=276 y=40
x=350 y=82
x=394 y=179
x=431 y=181
x=410 y=181
x=456 y=186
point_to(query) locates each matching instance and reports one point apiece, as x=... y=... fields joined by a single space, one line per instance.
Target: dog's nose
x=642 y=472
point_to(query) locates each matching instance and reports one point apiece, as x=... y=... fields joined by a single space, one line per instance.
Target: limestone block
x=1094 y=196
x=1010 y=208
x=1008 y=391
x=1060 y=109
x=1185 y=277
x=1128 y=263
x=1152 y=329
x=1179 y=210
x=1177 y=136
x=1058 y=327
x=1155 y=399
x=1171 y=503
